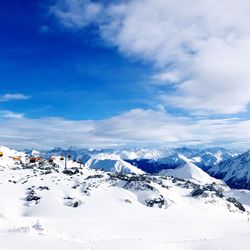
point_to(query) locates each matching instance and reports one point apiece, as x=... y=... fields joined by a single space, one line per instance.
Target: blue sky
x=68 y=74
x=118 y=73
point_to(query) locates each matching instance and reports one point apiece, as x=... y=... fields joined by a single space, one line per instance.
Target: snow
x=235 y=171
x=111 y=212
x=111 y=162
x=207 y=156
x=35 y=153
x=6 y=160
x=190 y=172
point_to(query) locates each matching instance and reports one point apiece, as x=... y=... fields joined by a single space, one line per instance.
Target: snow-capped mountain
x=84 y=154
x=203 y=158
x=234 y=171
x=138 y=153
x=149 y=160
x=200 y=157
x=111 y=163
x=190 y=171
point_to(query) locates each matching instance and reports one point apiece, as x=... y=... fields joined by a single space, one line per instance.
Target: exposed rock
x=75 y=204
x=43 y=188
x=31 y=197
x=159 y=202
x=71 y=171
x=71 y=202
x=236 y=204
x=94 y=176
x=197 y=192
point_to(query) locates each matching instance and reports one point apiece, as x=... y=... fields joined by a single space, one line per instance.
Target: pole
x=65 y=167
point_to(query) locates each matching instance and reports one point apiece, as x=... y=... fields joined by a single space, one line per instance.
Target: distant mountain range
x=231 y=166
x=203 y=158
x=166 y=157
x=234 y=171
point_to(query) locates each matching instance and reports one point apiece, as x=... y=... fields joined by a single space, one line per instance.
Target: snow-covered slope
x=189 y=171
x=11 y=157
x=7 y=152
x=112 y=163
x=235 y=171
x=45 y=207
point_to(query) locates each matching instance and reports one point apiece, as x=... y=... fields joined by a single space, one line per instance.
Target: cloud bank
x=135 y=127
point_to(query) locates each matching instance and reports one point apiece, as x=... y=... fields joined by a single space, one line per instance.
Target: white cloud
x=136 y=127
x=13 y=97
x=207 y=41
x=168 y=77
x=221 y=79
x=10 y=115
x=76 y=13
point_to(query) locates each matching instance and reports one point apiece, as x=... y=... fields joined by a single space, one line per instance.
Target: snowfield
x=190 y=172
x=44 y=207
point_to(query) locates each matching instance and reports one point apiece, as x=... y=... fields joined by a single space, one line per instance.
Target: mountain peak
x=190 y=171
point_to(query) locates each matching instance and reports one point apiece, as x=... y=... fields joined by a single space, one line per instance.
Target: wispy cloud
x=207 y=41
x=13 y=97
x=76 y=13
x=10 y=115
